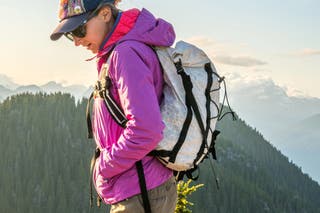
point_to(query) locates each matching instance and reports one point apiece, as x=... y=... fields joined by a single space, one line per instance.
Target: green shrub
x=184 y=190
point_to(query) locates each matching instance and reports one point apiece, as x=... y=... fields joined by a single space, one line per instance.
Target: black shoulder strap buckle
x=179 y=67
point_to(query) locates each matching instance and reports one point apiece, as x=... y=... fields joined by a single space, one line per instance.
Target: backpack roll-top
x=190 y=106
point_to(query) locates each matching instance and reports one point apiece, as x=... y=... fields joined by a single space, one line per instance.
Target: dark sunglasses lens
x=80 y=31
x=69 y=36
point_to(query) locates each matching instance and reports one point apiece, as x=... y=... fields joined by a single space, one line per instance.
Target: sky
x=247 y=39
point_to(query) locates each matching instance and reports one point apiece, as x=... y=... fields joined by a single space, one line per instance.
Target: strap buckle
x=179 y=66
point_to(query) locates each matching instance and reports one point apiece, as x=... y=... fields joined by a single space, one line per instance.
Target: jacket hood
x=151 y=31
x=139 y=26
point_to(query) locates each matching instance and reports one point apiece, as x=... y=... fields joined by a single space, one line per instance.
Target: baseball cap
x=73 y=13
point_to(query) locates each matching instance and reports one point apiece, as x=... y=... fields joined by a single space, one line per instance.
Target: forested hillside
x=254 y=176
x=44 y=164
x=44 y=155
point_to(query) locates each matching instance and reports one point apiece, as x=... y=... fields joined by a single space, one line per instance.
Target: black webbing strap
x=190 y=103
x=213 y=152
x=204 y=144
x=143 y=187
x=209 y=71
x=89 y=125
x=114 y=110
x=92 y=164
x=162 y=153
x=183 y=134
x=189 y=173
x=102 y=90
x=212 y=148
x=187 y=84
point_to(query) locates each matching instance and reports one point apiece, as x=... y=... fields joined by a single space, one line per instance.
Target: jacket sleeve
x=139 y=101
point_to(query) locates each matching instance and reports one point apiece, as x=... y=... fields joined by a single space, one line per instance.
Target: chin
x=94 y=51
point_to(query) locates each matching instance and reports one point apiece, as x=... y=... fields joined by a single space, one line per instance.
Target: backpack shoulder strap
x=104 y=92
x=102 y=89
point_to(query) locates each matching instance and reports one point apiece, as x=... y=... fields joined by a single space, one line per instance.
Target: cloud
x=214 y=47
x=222 y=52
x=261 y=70
x=262 y=85
x=244 y=61
x=294 y=92
x=201 y=41
x=307 y=52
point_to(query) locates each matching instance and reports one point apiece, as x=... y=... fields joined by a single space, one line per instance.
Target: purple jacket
x=137 y=85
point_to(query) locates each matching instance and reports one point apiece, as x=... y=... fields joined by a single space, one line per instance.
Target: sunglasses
x=80 y=31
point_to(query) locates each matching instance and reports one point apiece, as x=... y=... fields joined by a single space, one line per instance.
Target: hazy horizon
x=246 y=40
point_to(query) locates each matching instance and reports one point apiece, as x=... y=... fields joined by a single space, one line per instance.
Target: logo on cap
x=69 y=8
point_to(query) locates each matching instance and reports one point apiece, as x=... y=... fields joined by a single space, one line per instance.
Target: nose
x=77 y=41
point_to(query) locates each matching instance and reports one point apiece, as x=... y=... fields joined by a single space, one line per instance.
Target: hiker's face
x=96 y=30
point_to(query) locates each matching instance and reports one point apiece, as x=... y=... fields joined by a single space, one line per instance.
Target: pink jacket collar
x=122 y=26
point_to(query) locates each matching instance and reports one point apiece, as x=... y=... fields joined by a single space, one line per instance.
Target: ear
x=105 y=14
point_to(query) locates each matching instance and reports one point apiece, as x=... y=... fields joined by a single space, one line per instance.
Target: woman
x=137 y=82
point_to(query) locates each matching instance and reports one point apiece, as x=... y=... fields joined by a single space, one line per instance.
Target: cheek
x=96 y=33
x=93 y=38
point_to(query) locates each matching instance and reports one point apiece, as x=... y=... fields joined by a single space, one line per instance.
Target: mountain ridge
x=254 y=176
x=279 y=118
x=77 y=90
x=265 y=106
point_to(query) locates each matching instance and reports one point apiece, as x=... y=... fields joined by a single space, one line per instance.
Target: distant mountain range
x=290 y=123
x=6 y=82
x=8 y=88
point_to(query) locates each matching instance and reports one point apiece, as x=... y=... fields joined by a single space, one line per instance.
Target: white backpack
x=189 y=114
x=190 y=108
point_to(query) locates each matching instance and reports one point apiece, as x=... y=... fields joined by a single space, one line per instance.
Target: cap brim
x=68 y=25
